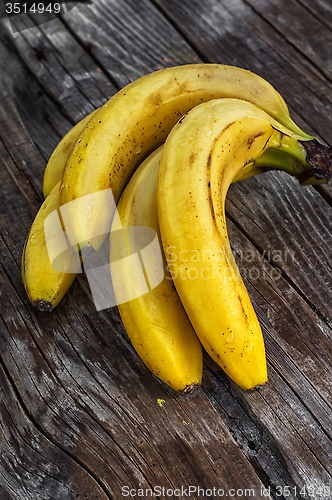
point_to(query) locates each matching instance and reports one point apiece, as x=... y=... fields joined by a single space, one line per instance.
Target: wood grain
x=302 y=28
x=42 y=118
x=32 y=465
x=291 y=226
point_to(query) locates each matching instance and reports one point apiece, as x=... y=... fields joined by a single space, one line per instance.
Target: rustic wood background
x=81 y=417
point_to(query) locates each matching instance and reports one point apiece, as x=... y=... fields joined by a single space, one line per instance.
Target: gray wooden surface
x=81 y=417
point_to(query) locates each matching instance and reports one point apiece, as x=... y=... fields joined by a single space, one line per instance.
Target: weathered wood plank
x=65 y=70
x=52 y=51
x=302 y=29
x=250 y=433
x=130 y=38
x=41 y=116
x=292 y=226
x=31 y=465
x=295 y=405
x=28 y=164
x=321 y=9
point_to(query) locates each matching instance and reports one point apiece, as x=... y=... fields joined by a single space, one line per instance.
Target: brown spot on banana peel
x=252 y=139
x=208 y=166
x=319 y=156
x=243 y=309
x=155 y=99
x=192 y=158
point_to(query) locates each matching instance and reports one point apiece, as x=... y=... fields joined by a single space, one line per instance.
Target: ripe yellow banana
x=47 y=282
x=56 y=164
x=201 y=156
x=44 y=284
x=155 y=321
x=136 y=121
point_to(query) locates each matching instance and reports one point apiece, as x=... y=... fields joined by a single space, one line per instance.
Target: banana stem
x=309 y=161
x=291 y=125
x=271 y=159
x=289 y=145
x=319 y=157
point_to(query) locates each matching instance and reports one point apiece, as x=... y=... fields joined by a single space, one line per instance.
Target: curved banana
x=44 y=284
x=136 y=121
x=155 y=321
x=201 y=156
x=56 y=164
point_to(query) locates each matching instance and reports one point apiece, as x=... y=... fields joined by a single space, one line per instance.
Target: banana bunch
x=159 y=156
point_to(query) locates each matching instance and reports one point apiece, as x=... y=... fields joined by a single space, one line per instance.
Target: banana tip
x=319 y=156
x=191 y=388
x=43 y=305
x=88 y=252
x=257 y=387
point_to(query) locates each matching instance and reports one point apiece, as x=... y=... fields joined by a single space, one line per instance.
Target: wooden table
x=81 y=417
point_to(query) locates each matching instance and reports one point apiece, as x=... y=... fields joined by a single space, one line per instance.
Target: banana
x=56 y=164
x=44 y=284
x=155 y=321
x=201 y=156
x=136 y=121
